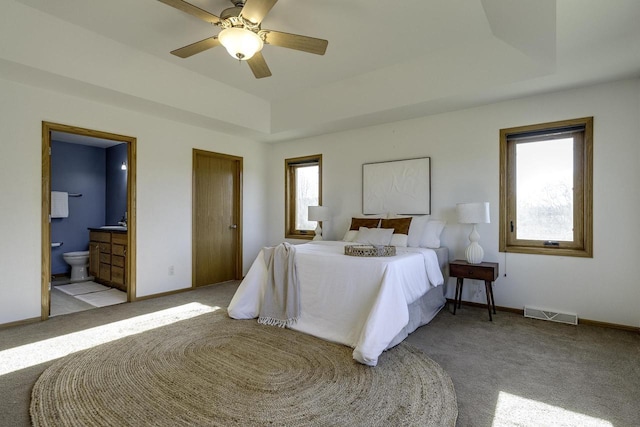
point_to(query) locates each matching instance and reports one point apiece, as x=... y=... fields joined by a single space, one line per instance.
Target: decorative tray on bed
x=369 y=250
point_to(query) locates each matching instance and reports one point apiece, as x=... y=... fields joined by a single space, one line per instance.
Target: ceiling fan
x=242 y=35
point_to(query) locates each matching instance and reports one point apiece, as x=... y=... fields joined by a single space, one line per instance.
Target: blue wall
x=95 y=173
x=116 y=184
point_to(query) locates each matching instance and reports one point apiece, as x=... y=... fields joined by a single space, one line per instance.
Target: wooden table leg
x=493 y=301
x=458 y=297
x=488 y=291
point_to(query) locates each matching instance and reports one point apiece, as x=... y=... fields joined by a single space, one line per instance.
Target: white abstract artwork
x=399 y=187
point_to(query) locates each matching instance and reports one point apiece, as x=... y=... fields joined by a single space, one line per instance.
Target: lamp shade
x=241 y=43
x=318 y=213
x=473 y=213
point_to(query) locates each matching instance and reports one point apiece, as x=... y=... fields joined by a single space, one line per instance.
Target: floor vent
x=537 y=313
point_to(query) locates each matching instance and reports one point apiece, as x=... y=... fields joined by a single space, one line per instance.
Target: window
x=303 y=188
x=546 y=188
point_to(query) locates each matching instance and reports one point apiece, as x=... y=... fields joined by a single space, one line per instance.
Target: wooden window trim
x=582 y=246
x=289 y=190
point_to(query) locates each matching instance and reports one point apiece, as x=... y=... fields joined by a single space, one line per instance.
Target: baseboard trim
x=608 y=325
x=480 y=305
x=20 y=322
x=163 y=294
x=580 y=320
x=179 y=291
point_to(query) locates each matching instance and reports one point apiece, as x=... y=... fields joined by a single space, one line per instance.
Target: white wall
x=163 y=190
x=463 y=147
x=464 y=151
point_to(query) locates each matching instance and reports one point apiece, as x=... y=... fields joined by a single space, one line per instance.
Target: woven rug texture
x=215 y=371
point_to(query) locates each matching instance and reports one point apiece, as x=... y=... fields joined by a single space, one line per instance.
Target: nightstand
x=487 y=271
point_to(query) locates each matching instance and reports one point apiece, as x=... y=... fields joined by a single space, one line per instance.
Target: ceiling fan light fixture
x=241 y=43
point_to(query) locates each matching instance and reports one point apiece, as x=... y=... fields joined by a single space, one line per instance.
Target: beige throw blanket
x=281 y=304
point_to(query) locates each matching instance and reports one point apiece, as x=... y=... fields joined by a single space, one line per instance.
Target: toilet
x=79 y=262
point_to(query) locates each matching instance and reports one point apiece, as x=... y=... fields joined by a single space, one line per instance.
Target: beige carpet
x=211 y=370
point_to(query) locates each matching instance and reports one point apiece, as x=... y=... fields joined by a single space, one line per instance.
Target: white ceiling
x=386 y=60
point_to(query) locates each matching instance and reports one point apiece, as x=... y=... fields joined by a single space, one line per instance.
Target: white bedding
x=357 y=301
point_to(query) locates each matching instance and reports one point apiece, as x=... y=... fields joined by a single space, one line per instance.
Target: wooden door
x=217 y=249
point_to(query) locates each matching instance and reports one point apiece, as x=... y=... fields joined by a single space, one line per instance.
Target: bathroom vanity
x=108 y=257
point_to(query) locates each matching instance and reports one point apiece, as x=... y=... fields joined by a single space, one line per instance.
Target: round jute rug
x=215 y=371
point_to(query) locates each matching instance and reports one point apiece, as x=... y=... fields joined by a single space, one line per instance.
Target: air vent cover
x=538 y=313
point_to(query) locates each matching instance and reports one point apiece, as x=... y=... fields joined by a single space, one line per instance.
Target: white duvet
x=357 y=301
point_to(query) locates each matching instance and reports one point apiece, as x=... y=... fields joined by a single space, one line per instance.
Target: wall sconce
x=124 y=166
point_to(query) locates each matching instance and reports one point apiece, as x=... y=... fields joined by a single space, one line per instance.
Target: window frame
x=582 y=244
x=290 y=191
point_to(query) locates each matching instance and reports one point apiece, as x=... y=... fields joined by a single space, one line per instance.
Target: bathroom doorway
x=115 y=258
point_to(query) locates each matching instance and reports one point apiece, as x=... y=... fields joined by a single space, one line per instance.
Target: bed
x=368 y=303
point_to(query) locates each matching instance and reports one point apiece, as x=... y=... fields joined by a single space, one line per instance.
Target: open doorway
x=100 y=235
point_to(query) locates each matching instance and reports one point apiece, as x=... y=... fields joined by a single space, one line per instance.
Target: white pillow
x=374 y=236
x=416 y=230
x=431 y=235
x=350 y=235
x=399 y=240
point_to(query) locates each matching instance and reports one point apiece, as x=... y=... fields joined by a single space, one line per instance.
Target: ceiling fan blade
x=256 y=10
x=297 y=42
x=197 y=47
x=192 y=10
x=259 y=66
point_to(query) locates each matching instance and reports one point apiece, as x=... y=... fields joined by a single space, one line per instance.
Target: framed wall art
x=399 y=187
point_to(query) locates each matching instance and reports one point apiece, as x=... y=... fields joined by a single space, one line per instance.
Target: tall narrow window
x=303 y=188
x=546 y=188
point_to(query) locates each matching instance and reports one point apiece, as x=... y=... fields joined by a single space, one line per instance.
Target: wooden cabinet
x=118 y=257
x=94 y=258
x=108 y=257
x=100 y=256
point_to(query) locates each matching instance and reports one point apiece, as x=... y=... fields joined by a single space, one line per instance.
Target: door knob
x=234 y=226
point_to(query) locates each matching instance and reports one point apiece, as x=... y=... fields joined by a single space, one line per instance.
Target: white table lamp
x=318 y=213
x=474 y=213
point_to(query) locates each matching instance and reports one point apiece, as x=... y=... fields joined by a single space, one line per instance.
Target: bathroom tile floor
x=62 y=303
